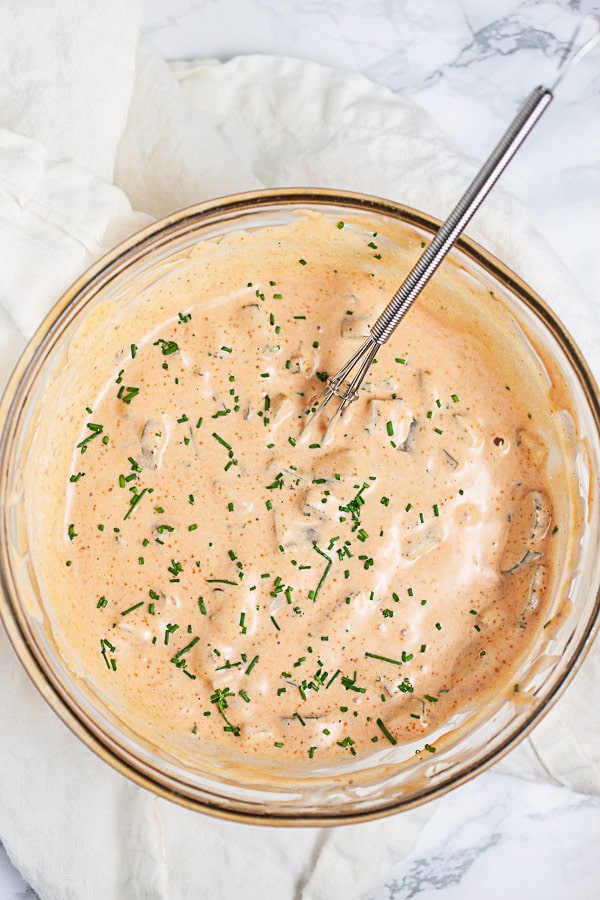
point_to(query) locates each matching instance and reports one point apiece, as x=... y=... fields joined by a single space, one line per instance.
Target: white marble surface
x=469 y=63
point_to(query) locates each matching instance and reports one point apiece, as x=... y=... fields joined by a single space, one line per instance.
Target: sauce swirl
x=220 y=579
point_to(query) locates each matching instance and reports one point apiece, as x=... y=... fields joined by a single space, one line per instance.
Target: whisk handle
x=535 y=104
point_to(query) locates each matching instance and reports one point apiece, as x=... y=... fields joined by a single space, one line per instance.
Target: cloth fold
x=66 y=75
x=97 y=137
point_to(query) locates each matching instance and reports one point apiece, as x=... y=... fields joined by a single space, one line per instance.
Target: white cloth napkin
x=97 y=136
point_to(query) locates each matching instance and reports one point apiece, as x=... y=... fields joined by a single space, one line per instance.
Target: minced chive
x=389 y=736
x=313 y=594
x=169 y=631
x=95 y=430
x=166 y=347
x=131 y=608
x=395 y=662
x=126 y=394
x=221 y=440
x=252 y=664
x=135 y=499
x=187 y=647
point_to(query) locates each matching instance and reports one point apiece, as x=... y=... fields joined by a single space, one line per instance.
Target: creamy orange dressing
x=221 y=580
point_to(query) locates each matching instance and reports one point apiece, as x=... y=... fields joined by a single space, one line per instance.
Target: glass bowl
x=380 y=783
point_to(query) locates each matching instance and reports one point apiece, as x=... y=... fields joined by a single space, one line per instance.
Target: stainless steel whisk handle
x=535 y=104
x=345 y=384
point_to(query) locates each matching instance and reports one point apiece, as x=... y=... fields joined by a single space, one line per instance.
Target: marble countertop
x=468 y=63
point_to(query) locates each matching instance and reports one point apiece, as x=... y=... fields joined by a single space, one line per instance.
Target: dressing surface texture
x=234 y=572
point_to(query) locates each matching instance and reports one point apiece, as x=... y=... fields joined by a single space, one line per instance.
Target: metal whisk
x=346 y=383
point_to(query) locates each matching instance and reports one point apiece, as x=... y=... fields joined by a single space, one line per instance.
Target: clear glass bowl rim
x=117 y=261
